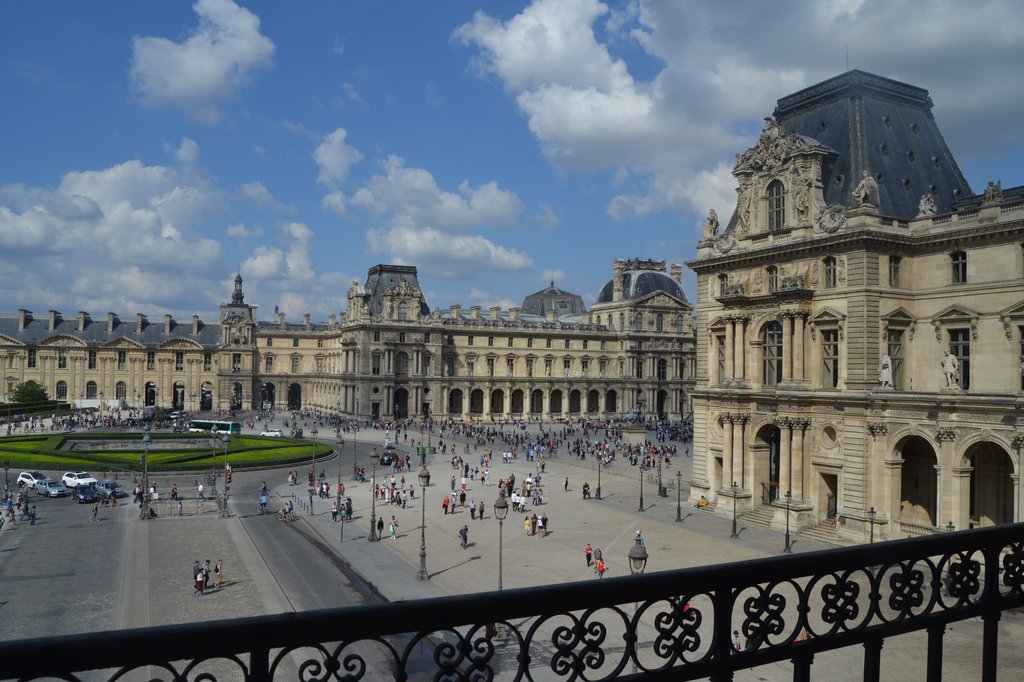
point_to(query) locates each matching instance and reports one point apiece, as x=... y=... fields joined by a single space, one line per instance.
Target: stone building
x=388 y=356
x=861 y=320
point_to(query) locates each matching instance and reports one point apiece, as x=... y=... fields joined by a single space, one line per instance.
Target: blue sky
x=150 y=148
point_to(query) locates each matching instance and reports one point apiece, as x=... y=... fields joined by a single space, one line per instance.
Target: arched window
x=638 y=322
x=659 y=323
x=622 y=321
x=62 y=390
x=776 y=206
x=772 y=344
x=90 y=390
x=773 y=278
x=403 y=310
x=121 y=390
x=608 y=321
x=723 y=283
x=829 y=266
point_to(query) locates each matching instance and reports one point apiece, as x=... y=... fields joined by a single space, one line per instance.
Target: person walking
x=445 y=504
x=32 y=516
x=480 y=511
x=566 y=484
x=206 y=574
x=464 y=537
x=589 y=551
x=197 y=582
x=597 y=554
x=334 y=511
x=199 y=492
x=472 y=510
x=380 y=528
x=219 y=572
x=96 y=512
x=393 y=527
x=601 y=568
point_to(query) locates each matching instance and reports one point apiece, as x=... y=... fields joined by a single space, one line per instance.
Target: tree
x=29 y=392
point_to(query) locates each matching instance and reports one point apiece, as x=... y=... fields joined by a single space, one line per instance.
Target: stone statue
x=711 y=228
x=885 y=372
x=866 y=192
x=926 y=207
x=951 y=368
x=993 y=193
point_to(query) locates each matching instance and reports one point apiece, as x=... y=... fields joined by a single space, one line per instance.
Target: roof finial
x=552 y=283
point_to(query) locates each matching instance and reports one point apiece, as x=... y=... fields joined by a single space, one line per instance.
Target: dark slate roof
x=95 y=333
x=382 y=277
x=1011 y=195
x=642 y=283
x=552 y=298
x=879 y=125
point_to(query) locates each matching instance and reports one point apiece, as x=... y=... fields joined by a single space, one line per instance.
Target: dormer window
x=776 y=206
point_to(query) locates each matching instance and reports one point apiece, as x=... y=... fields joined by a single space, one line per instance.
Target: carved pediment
x=956 y=313
x=122 y=343
x=659 y=299
x=8 y=341
x=898 y=316
x=63 y=340
x=181 y=344
x=774 y=146
x=403 y=289
x=827 y=316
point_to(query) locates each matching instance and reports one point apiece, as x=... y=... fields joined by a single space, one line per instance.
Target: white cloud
x=352 y=93
x=335 y=158
x=257 y=193
x=444 y=254
x=334 y=201
x=240 y=230
x=187 y=152
x=208 y=67
x=486 y=299
x=546 y=216
x=548 y=276
x=264 y=262
x=258 y=150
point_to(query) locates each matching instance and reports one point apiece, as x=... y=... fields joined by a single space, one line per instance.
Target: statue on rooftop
x=866 y=192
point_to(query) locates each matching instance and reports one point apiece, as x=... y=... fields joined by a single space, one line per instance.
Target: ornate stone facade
x=808 y=304
x=388 y=356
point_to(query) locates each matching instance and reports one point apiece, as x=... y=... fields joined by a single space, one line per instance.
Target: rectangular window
x=319 y=365
x=62 y=359
x=639 y=368
x=470 y=366
x=150 y=359
x=426 y=365
x=584 y=366
x=376 y=337
x=568 y=344
x=895 y=350
x=320 y=342
x=490 y=367
x=207 y=362
x=894 y=273
x=401 y=338
x=566 y=367
x=122 y=359
x=426 y=338
x=375 y=365
x=830 y=273
x=268 y=362
x=959 y=262
x=960 y=348
x=720 y=358
x=529 y=343
x=548 y=343
x=92 y=359
x=32 y=357
x=295 y=343
x=529 y=367
x=510 y=341
x=772 y=345
x=270 y=342
x=510 y=366
x=236 y=362
x=451 y=339
x=584 y=344
x=662 y=370
x=449 y=367
x=179 y=361
x=490 y=341
x=296 y=364
x=829 y=358
x=602 y=345
x=602 y=367
x=469 y=341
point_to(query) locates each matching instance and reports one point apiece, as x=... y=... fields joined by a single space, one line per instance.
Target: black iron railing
x=786 y=608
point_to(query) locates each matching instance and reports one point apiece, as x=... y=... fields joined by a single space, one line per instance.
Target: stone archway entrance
x=455 y=401
x=268 y=396
x=476 y=401
x=517 y=401
x=990 y=492
x=206 y=397
x=536 y=401
x=918 y=482
x=497 y=401
x=662 y=404
x=764 y=455
x=556 y=402
x=294 y=397
x=150 y=393
x=593 y=402
x=574 y=402
x=611 y=402
x=401 y=407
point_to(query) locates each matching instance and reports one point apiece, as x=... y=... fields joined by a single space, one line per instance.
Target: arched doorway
x=918 y=482
x=236 y=396
x=476 y=401
x=401 y=403
x=662 y=404
x=497 y=401
x=455 y=401
x=610 y=401
x=294 y=397
x=574 y=402
x=401 y=364
x=593 y=401
x=536 y=401
x=990 y=493
x=268 y=395
x=206 y=397
x=151 y=393
x=517 y=401
x=178 y=400
x=556 y=402
x=764 y=453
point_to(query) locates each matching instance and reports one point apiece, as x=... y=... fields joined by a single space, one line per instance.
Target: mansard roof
x=382 y=277
x=152 y=335
x=553 y=298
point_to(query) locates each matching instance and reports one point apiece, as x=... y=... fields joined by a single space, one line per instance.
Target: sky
x=148 y=150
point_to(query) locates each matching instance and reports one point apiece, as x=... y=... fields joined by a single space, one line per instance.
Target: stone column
x=944 y=500
x=727 y=476
x=797 y=457
x=738 y=342
x=737 y=449
x=785 y=442
x=730 y=357
x=1016 y=496
x=960 y=513
x=787 y=347
x=798 y=348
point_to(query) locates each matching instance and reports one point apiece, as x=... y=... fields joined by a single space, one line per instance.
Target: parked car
x=84 y=494
x=73 y=479
x=106 y=488
x=272 y=432
x=30 y=479
x=51 y=488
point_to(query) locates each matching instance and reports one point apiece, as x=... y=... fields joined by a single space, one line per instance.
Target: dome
x=642 y=283
x=553 y=298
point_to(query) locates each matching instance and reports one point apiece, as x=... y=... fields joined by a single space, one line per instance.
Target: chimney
x=81 y=320
x=111 y=322
x=456 y=311
x=140 y=322
x=513 y=314
x=53 y=320
x=23 y=317
x=496 y=312
x=617 y=280
x=677 y=272
x=332 y=319
x=474 y=312
x=167 y=324
x=550 y=315
x=195 y=325
x=305 y=320
x=280 y=320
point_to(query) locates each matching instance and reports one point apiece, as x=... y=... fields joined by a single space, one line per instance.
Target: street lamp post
x=641 y=485
x=374 y=458
x=637 y=563
x=312 y=442
x=679 y=499
x=661 y=490
x=734 y=489
x=146 y=440
x=789 y=545
x=7 y=480
x=500 y=512
x=600 y=465
x=871 y=520
x=226 y=440
x=424 y=477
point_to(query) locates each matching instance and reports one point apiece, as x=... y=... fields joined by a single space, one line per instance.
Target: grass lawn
x=44 y=452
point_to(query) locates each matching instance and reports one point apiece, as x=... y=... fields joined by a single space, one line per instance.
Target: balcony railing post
x=935 y=635
x=722 y=605
x=802 y=667
x=259 y=665
x=990 y=619
x=873 y=659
